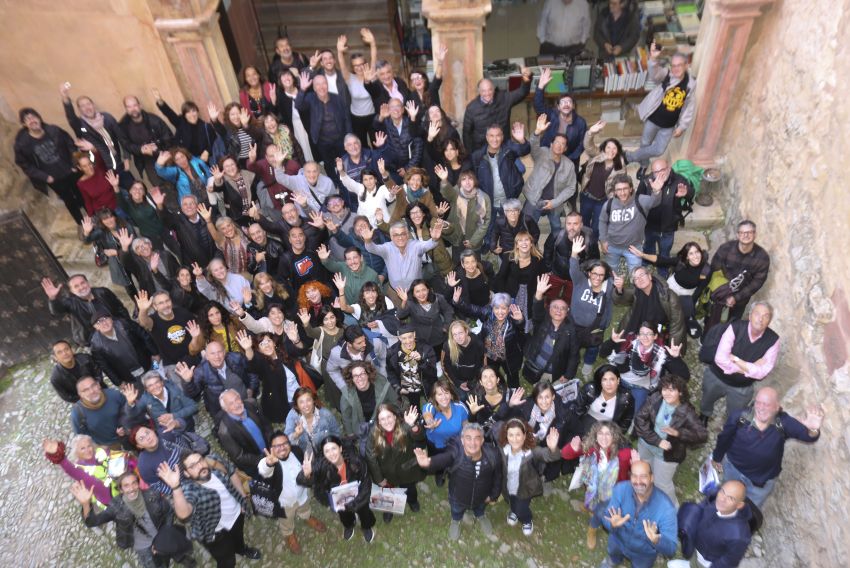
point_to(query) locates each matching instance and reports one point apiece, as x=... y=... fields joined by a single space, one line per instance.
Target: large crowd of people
x=357 y=296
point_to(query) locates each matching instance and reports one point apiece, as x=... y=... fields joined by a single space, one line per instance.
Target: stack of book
x=626 y=73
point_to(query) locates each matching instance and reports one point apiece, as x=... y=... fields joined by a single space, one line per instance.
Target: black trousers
x=365 y=514
x=67 y=190
x=362 y=127
x=228 y=544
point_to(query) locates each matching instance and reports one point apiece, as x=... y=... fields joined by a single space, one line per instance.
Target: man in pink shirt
x=746 y=354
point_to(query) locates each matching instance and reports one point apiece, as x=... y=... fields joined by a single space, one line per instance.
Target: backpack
x=711 y=341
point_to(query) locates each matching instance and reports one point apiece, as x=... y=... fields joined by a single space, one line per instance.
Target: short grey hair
x=634 y=271
x=398 y=225
x=472 y=426
x=139 y=241
x=226 y=392
x=350 y=136
x=765 y=304
x=500 y=299
x=511 y=205
x=151 y=375
x=382 y=63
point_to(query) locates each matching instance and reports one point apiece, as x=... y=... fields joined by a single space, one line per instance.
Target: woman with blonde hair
x=463 y=357
x=267 y=292
x=518 y=275
x=219 y=284
x=389 y=452
x=229 y=239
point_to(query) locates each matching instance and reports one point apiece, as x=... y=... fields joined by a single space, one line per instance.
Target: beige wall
x=105 y=48
x=786 y=144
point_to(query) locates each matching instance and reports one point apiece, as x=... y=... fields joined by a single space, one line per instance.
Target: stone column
x=197 y=52
x=458 y=24
x=721 y=55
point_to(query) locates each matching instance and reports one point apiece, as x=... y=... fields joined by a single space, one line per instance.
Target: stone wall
x=785 y=148
x=106 y=49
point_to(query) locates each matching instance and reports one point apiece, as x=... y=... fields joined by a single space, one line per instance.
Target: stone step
x=704 y=218
x=687 y=235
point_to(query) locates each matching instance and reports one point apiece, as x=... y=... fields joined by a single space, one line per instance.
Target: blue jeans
x=458 y=509
x=614 y=255
x=590 y=355
x=653 y=143
x=640 y=394
x=600 y=511
x=591 y=209
x=757 y=495
x=554 y=216
x=658 y=243
x=617 y=556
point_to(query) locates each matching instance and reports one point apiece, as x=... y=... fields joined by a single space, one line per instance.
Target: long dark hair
x=426 y=215
x=228 y=320
x=682 y=255
x=380 y=302
x=620 y=158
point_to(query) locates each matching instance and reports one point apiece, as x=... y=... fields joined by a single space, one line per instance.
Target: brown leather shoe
x=591 y=538
x=316 y=525
x=292 y=544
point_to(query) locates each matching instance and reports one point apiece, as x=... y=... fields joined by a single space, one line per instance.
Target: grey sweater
x=584 y=305
x=625 y=224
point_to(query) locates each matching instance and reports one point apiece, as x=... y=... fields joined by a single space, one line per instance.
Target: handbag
x=100 y=258
x=264 y=499
x=316 y=353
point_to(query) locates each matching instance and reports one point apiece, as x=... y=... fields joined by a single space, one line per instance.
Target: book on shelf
x=625 y=73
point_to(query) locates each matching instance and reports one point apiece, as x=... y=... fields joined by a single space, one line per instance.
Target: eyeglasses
x=661 y=171
x=194 y=465
x=279 y=446
x=640 y=276
x=646 y=334
x=360 y=374
x=746 y=232
x=597 y=274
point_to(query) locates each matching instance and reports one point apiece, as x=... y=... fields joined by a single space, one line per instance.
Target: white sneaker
x=586 y=370
x=512 y=520
x=528 y=528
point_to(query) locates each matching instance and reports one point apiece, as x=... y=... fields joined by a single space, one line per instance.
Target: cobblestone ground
x=40 y=523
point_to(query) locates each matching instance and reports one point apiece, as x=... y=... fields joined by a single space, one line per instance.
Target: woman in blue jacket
x=188 y=173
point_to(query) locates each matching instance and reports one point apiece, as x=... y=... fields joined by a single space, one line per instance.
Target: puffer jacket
x=685 y=420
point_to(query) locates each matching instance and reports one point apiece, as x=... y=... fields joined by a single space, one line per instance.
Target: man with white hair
x=491 y=107
x=668 y=109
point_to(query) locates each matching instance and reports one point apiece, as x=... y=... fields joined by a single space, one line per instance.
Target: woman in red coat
x=97 y=191
x=606 y=460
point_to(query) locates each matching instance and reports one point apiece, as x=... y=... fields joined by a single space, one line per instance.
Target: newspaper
x=343 y=494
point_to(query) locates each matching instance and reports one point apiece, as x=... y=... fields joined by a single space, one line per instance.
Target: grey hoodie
x=625 y=224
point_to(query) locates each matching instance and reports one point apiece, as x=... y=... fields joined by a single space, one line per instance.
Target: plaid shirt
x=206 y=504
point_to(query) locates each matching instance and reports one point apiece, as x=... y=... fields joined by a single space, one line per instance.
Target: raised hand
x=430 y=423
x=412 y=110
x=411 y=416
x=575 y=443
x=125 y=239
x=50 y=446
x=252 y=153
x=518 y=131
x=193 y=328
x=402 y=293
x=169 y=475
x=543 y=284
x=552 y=439
x=130 y=393
x=340 y=167
x=217 y=174
x=634 y=456
x=316 y=220
x=197 y=270
x=315 y=59
x=436 y=231
x=442 y=51
x=458 y=291
x=299 y=430
x=331 y=226
x=307 y=465
x=654 y=51
x=369 y=74
x=433 y=130
x=516 y=313
x=380 y=139
x=50 y=289
x=323 y=252
x=65 y=90
x=244 y=340
x=422 y=457
x=619 y=282
x=112 y=179
x=617 y=336
x=452 y=279
x=516 y=398
x=205 y=212
x=82 y=494
x=143 y=301
x=674 y=350
x=670 y=431
x=441 y=172
x=272 y=96
x=473 y=404
x=542 y=124
x=244 y=117
x=88 y=225
x=367 y=36
x=270 y=458
x=651 y=530
x=597 y=127
x=184 y=371
x=158 y=196
x=545 y=77
x=665 y=445
x=304 y=80
x=442 y=209
x=212 y=111
x=342 y=44
x=339 y=281
x=383 y=111
x=304 y=316
x=814 y=417
x=291 y=331
x=367 y=233
x=616 y=518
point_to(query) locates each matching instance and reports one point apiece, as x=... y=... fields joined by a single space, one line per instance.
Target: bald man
x=491 y=106
x=721 y=532
x=641 y=521
x=751 y=445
